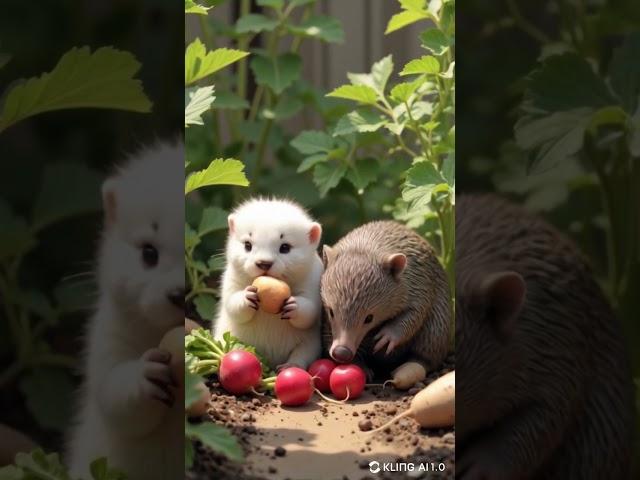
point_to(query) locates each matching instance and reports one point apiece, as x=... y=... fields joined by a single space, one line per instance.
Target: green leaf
x=11 y=472
x=100 y=471
x=312 y=141
x=625 y=72
x=256 y=23
x=58 y=200
x=277 y=73
x=199 y=101
x=552 y=138
x=449 y=169
x=191 y=391
x=4 y=59
x=81 y=79
x=415 y=5
x=435 y=41
x=321 y=27
x=362 y=173
x=300 y=3
x=378 y=78
x=424 y=65
x=404 y=18
x=219 y=172
x=402 y=91
x=566 y=82
x=205 y=305
x=216 y=438
x=213 y=219
x=327 y=176
x=229 y=101
x=311 y=161
x=189 y=454
x=37 y=465
x=16 y=238
x=286 y=108
x=359 y=93
x=198 y=63
x=48 y=394
x=362 y=120
x=192 y=7
x=421 y=180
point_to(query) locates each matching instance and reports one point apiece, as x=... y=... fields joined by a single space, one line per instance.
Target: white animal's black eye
x=285 y=248
x=149 y=255
x=368 y=319
x=247 y=246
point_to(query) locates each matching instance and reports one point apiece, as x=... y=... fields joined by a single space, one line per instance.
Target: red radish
x=321 y=370
x=294 y=386
x=240 y=372
x=347 y=381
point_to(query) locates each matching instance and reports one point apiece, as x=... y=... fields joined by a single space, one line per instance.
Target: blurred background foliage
x=51 y=166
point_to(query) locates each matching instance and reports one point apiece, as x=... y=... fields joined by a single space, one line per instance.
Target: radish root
x=331 y=400
x=392 y=421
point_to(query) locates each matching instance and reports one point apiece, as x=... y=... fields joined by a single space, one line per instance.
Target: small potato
x=272 y=293
x=199 y=407
x=173 y=342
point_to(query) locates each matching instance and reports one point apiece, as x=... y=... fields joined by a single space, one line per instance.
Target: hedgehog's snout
x=341 y=354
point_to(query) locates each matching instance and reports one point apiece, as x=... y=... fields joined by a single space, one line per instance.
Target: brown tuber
x=173 y=342
x=199 y=407
x=272 y=293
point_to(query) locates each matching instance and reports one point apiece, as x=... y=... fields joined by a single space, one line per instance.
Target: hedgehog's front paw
x=156 y=378
x=289 y=309
x=389 y=337
x=251 y=297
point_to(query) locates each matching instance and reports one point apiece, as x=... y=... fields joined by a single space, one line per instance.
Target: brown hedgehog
x=386 y=299
x=543 y=387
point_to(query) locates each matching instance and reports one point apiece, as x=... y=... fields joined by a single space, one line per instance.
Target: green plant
x=38 y=465
x=104 y=78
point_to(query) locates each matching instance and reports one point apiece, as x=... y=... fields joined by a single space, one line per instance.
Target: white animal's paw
x=156 y=378
x=387 y=336
x=251 y=297
x=289 y=309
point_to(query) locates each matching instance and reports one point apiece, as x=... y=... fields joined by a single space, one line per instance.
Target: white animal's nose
x=264 y=265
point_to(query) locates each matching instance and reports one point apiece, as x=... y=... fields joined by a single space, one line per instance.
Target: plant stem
x=243 y=44
x=524 y=24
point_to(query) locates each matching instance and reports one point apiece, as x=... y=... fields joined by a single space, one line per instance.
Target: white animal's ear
x=232 y=223
x=395 y=264
x=109 y=203
x=503 y=295
x=315 y=232
x=327 y=255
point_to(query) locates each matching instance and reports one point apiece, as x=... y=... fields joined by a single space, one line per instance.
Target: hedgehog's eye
x=149 y=255
x=285 y=248
x=369 y=319
x=247 y=246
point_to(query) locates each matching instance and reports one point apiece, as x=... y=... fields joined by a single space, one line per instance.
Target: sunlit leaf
x=199 y=101
x=198 y=63
x=424 y=65
x=359 y=93
x=312 y=141
x=219 y=172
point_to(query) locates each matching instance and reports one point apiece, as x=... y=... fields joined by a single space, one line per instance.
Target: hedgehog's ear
x=503 y=297
x=109 y=200
x=395 y=264
x=327 y=255
x=232 y=223
x=314 y=233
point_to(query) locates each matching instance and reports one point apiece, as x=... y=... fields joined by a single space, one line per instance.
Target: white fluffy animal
x=128 y=412
x=275 y=238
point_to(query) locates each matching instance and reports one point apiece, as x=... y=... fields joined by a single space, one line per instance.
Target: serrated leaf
x=60 y=200
x=213 y=219
x=362 y=121
x=286 y=108
x=311 y=161
x=402 y=91
x=191 y=391
x=416 y=5
x=552 y=138
x=229 y=101
x=322 y=27
x=312 y=141
x=276 y=73
x=449 y=169
x=198 y=63
x=378 y=78
x=359 y=93
x=81 y=79
x=362 y=173
x=216 y=438
x=276 y=4
x=404 y=18
x=423 y=65
x=566 y=82
x=205 y=306
x=192 y=7
x=435 y=41
x=625 y=73
x=256 y=23
x=48 y=394
x=327 y=176
x=38 y=465
x=199 y=101
x=421 y=180
x=219 y=172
